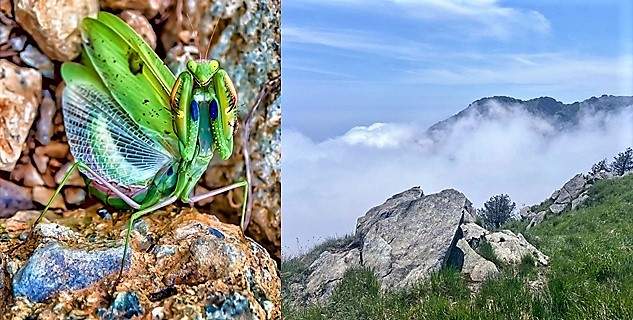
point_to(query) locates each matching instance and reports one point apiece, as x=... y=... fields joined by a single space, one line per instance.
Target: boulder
x=476 y=267
x=327 y=271
x=511 y=248
x=411 y=235
x=557 y=208
x=20 y=94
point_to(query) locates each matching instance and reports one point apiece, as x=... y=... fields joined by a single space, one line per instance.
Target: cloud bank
x=327 y=185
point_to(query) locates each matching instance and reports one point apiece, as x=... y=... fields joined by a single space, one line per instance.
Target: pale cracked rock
x=182 y=263
x=475 y=266
x=20 y=94
x=511 y=248
x=54 y=24
x=327 y=271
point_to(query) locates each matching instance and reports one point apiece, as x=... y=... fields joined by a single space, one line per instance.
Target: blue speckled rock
x=233 y=306
x=54 y=267
x=125 y=306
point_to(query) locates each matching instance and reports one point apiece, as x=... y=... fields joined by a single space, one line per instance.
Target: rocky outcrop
x=412 y=237
x=180 y=264
x=406 y=239
x=570 y=196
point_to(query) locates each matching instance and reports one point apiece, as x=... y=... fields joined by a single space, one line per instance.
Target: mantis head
x=203 y=70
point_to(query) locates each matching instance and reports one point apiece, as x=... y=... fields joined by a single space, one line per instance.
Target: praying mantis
x=141 y=136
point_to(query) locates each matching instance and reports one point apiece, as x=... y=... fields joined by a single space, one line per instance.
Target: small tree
x=623 y=162
x=600 y=166
x=497 y=210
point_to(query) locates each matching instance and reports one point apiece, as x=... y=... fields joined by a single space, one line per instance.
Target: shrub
x=497 y=210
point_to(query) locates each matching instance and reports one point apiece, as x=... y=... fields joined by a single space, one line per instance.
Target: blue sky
x=363 y=79
x=356 y=62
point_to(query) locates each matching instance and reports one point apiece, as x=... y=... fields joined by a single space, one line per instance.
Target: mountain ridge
x=560 y=115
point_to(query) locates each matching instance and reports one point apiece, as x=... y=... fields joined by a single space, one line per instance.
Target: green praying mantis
x=141 y=136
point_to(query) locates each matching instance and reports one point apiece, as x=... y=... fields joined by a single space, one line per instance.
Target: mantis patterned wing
x=132 y=74
x=103 y=136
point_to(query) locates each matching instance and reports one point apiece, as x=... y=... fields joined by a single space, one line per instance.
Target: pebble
x=74 y=195
x=75 y=178
x=54 y=267
x=54 y=24
x=41 y=162
x=42 y=195
x=55 y=149
x=20 y=90
x=18 y=43
x=45 y=123
x=34 y=58
x=139 y=23
x=126 y=305
x=27 y=174
x=13 y=198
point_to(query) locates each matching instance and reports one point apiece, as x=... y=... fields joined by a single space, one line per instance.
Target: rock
x=557 y=208
x=538 y=218
x=53 y=268
x=475 y=266
x=211 y=270
x=74 y=179
x=511 y=248
x=27 y=174
x=45 y=123
x=579 y=201
x=34 y=58
x=54 y=24
x=473 y=232
x=56 y=150
x=571 y=190
x=394 y=204
x=21 y=220
x=326 y=272
x=525 y=213
x=411 y=235
x=139 y=23
x=74 y=195
x=13 y=198
x=19 y=98
x=18 y=43
x=149 y=7
x=42 y=195
x=41 y=162
x=125 y=306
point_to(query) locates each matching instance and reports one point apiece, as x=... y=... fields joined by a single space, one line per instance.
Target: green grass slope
x=590 y=275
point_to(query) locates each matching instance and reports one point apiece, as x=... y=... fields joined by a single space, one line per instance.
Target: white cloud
x=329 y=184
x=479 y=18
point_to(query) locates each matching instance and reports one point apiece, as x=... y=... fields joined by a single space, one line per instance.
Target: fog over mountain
x=496 y=145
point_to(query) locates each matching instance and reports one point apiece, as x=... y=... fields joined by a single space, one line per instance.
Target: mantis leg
x=135 y=216
x=212 y=193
